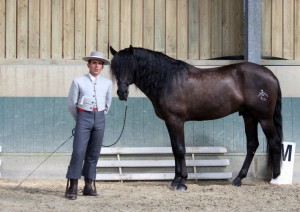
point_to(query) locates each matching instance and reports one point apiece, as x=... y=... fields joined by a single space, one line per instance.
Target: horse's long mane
x=152 y=71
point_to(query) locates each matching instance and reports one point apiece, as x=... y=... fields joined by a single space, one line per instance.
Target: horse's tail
x=277 y=114
x=277 y=119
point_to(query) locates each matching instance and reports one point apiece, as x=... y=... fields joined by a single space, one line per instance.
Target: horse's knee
x=180 y=151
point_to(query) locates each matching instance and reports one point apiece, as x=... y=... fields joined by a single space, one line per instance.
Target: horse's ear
x=131 y=49
x=112 y=51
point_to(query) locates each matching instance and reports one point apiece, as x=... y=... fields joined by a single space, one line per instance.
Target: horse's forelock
x=122 y=64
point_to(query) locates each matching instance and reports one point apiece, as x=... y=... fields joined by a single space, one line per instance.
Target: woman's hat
x=97 y=56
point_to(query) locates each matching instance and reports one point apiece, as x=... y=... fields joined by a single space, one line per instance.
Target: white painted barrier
x=287 y=166
x=152 y=163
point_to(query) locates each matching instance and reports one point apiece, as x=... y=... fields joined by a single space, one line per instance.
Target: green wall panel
x=31 y=124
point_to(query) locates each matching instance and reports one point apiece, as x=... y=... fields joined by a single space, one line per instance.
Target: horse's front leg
x=176 y=132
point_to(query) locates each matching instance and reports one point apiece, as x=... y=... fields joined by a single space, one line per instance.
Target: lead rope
x=125 y=114
x=73 y=132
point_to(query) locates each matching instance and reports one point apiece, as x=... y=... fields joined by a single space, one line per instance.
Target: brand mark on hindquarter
x=262 y=95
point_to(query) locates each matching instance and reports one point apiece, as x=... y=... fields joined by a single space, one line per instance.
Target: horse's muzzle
x=123 y=94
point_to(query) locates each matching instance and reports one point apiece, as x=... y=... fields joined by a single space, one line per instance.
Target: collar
x=93 y=78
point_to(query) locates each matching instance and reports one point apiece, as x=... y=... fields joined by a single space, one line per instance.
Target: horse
x=181 y=92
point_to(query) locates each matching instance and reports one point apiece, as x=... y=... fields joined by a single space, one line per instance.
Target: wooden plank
x=38 y=125
x=266 y=27
x=232 y=27
x=34 y=29
x=18 y=125
x=2 y=28
x=80 y=24
x=10 y=29
x=8 y=135
x=161 y=150
x=277 y=28
x=238 y=134
x=189 y=133
x=226 y=30
x=0 y=159
x=129 y=130
x=194 y=29
x=160 y=163
x=205 y=29
x=2 y=121
x=288 y=29
x=45 y=29
x=125 y=26
x=48 y=123
x=148 y=24
x=138 y=120
x=22 y=27
x=229 y=132
x=114 y=24
x=182 y=29
x=208 y=130
x=57 y=34
x=160 y=25
x=59 y=119
x=216 y=28
x=28 y=133
x=238 y=17
x=218 y=133
x=171 y=28
x=287 y=122
x=91 y=26
x=137 y=23
x=297 y=30
x=295 y=121
x=102 y=39
x=68 y=29
x=163 y=176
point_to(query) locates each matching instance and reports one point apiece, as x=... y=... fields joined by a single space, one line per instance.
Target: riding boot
x=89 y=188
x=71 y=191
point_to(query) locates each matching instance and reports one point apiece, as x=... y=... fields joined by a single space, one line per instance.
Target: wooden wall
x=281 y=28
x=184 y=29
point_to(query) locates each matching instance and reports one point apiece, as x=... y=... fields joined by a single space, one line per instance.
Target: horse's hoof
x=174 y=184
x=237 y=183
x=181 y=187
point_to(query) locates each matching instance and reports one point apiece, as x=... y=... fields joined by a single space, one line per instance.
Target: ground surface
x=48 y=195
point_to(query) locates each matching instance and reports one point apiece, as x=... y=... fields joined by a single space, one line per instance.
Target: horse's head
x=122 y=69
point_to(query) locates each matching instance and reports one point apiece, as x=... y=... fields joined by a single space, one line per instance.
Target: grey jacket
x=86 y=94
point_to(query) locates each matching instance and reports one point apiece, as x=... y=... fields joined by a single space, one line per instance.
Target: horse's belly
x=211 y=111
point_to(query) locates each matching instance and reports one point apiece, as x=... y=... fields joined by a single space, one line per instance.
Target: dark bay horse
x=181 y=92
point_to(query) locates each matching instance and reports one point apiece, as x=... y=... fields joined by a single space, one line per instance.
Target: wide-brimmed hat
x=97 y=56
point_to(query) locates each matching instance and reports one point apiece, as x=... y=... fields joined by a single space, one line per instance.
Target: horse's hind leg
x=252 y=145
x=274 y=142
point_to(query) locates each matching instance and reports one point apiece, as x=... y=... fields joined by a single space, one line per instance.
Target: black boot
x=71 y=192
x=89 y=188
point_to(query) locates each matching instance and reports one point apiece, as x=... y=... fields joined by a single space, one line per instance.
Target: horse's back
x=217 y=92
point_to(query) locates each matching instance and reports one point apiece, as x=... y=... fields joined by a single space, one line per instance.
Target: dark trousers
x=88 y=137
